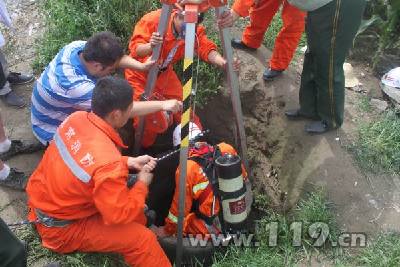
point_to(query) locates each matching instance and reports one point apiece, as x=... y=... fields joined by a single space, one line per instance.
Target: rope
x=170 y=154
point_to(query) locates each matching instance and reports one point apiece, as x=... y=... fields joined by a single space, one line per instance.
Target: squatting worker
x=144 y=38
x=81 y=183
x=66 y=85
x=331 y=26
x=202 y=206
x=261 y=14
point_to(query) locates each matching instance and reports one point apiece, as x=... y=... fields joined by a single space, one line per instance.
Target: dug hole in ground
x=285 y=162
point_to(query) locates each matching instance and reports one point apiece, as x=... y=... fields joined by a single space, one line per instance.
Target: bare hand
x=226 y=19
x=155 y=39
x=145 y=176
x=140 y=162
x=147 y=64
x=172 y=105
x=236 y=64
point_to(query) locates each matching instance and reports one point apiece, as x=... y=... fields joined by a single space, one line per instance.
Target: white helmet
x=194 y=131
x=392 y=78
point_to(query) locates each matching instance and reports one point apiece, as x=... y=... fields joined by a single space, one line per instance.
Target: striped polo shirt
x=64 y=87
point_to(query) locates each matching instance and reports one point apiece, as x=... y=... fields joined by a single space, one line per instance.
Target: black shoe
x=21 y=147
x=317 y=127
x=14 y=100
x=238 y=44
x=16 y=78
x=295 y=114
x=15 y=180
x=270 y=74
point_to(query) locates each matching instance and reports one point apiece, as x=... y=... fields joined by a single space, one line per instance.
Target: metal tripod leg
x=191 y=12
x=233 y=83
x=153 y=73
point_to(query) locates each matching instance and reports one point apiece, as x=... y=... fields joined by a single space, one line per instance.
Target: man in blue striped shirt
x=67 y=83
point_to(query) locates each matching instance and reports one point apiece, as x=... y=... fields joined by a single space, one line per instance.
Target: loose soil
x=286 y=163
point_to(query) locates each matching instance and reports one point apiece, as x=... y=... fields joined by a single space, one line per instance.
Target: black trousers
x=12 y=251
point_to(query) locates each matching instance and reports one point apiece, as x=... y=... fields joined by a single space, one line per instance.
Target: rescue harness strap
x=206 y=162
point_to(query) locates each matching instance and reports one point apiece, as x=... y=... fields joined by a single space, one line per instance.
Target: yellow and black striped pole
x=191 y=16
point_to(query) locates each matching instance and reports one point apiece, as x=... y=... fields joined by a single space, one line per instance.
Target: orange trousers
x=170 y=87
x=288 y=38
x=137 y=244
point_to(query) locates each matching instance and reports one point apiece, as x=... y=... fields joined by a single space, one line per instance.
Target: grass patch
x=318 y=220
x=273 y=31
x=364 y=104
x=207 y=77
x=37 y=253
x=384 y=251
x=85 y=17
x=309 y=213
x=378 y=145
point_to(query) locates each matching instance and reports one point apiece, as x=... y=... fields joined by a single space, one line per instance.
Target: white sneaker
x=5 y=172
x=5 y=146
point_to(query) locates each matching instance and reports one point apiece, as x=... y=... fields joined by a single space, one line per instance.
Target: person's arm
x=205 y=46
x=128 y=62
x=216 y=59
x=139 y=44
x=141 y=108
x=146 y=49
x=240 y=8
x=116 y=203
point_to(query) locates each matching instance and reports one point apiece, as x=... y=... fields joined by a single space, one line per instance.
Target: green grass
x=384 y=251
x=309 y=211
x=67 y=21
x=377 y=148
x=208 y=77
x=313 y=210
x=364 y=104
x=37 y=252
x=273 y=31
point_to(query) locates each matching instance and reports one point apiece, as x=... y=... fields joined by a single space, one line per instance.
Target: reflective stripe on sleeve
x=172 y=217
x=80 y=173
x=200 y=186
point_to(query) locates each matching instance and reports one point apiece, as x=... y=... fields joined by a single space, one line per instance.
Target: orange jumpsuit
x=168 y=84
x=260 y=18
x=196 y=183
x=82 y=177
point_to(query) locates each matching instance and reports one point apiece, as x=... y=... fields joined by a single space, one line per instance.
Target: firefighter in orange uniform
x=168 y=85
x=201 y=205
x=261 y=13
x=79 y=192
